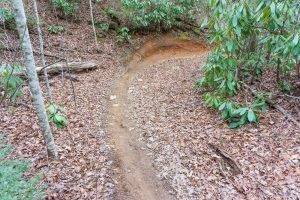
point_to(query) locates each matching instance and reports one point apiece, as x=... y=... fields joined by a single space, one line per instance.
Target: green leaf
x=204 y=22
x=272 y=8
x=216 y=103
x=251 y=116
x=222 y=106
x=51 y=109
x=259 y=6
x=234 y=21
x=243 y=119
x=234 y=125
x=224 y=114
x=229 y=84
x=229 y=45
x=242 y=111
x=296 y=39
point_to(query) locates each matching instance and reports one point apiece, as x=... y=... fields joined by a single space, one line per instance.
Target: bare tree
x=41 y=43
x=33 y=78
x=93 y=24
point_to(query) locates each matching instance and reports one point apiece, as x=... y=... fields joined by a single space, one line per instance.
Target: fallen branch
x=70 y=67
x=274 y=105
x=11 y=49
x=293 y=97
x=71 y=77
x=235 y=169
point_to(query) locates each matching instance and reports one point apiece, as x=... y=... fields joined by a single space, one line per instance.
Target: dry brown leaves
x=177 y=127
x=84 y=168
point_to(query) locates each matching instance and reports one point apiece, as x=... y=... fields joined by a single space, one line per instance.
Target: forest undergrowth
x=224 y=124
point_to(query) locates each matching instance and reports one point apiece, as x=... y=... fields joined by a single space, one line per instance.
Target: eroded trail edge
x=138 y=177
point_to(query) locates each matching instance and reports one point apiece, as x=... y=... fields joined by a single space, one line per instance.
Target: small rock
x=109 y=185
x=113 y=97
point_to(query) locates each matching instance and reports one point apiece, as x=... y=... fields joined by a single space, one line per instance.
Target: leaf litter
x=172 y=122
x=178 y=128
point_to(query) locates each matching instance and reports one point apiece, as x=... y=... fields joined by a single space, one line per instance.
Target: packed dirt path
x=137 y=175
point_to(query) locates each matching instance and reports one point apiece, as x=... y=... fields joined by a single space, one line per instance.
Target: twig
x=273 y=104
x=235 y=169
x=286 y=95
x=93 y=25
x=96 y=188
x=16 y=90
x=48 y=55
x=72 y=85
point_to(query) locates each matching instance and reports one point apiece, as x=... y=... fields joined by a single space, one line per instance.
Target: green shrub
x=123 y=35
x=54 y=114
x=251 y=37
x=13 y=185
x=163 y=14
x=10 y=82
x=103 y=26
x=56 y=29
x=65 y=7
x=7 y=17
x=113 y=13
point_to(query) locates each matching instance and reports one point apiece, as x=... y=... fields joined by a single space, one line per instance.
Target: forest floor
x=140 y=130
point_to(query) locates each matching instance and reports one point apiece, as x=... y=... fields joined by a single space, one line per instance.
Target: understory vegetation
x=13 y=184
x=252 y=39
x=7 y=17
x=65 y=7
x=160 y=15
x=91 y=89
x=150 y=15
x=11 y=84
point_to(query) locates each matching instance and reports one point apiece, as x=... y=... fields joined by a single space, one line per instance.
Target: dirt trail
x=138 y=177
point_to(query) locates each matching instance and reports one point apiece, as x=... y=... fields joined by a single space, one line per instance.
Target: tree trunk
x=33 y=78
x=278 y=70
x=298 y=68
x=93 y=24
x=35 y=6
x=253 y=41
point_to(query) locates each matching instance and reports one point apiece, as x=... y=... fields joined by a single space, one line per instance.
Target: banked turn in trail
x=138 y=178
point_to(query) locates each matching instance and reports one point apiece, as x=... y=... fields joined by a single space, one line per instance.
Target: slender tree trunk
x=253 y=41
x=93 y=24
x=298 y=68
x=278 y=70
x=41 y=44
x=33 y=78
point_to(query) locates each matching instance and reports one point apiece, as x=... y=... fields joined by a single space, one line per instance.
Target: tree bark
x=70 y=66
x=60 y=67
x=33 y=78
x=93 y=24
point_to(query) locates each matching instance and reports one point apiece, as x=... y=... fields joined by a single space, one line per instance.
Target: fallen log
x=64 y=67
x=70 y=67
